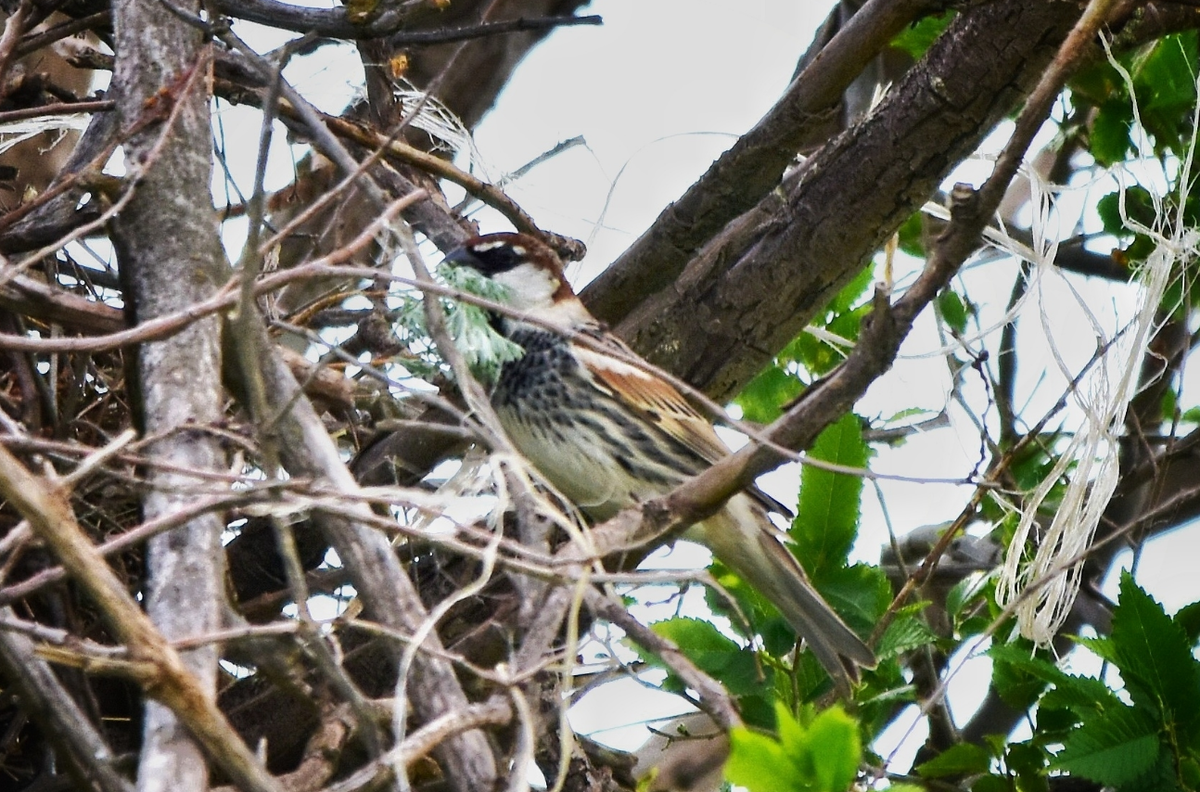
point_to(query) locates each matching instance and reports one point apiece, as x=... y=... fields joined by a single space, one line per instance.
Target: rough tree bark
x=755 y=287
x=170 y=257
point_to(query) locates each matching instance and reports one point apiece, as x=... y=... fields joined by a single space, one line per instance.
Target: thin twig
x=51 y=519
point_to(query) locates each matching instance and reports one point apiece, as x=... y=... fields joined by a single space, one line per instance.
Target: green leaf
x=964 y=592
x=1110 y=140
x=714 y=653
x=827 y=516
x=906 y=633
x=1111 y=750
x=852 y=293
x=1160 y=778
x=1154 y=655
x=842 y=318
x=1054 y=719
x=1091 y=85
x=912 y=236
x=763 y=398
x=483 y=349
x=821 y=757
x=860 y=593
x=1189 y=770
x=1101 y=647
x=1165 y=76
x=1028 y=762
x=1164 y=81
x=1188 y=619
x=760 y=764
x=792 y=735
x=835 y=749
x=992 y=783
x=1084 y=695
x=953 y=309
x=1015 y=674
x=961 y=759
x=918 y=38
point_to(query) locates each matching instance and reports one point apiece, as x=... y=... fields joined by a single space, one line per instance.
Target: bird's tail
x=738 y=536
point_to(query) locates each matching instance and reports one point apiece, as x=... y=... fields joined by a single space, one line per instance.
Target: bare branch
x=52 y=521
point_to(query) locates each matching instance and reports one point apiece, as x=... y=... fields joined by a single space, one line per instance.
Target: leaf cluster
x=818 y=753
x=1143 y=738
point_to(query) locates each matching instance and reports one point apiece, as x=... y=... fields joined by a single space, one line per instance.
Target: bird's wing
x=653 y=399
x=660 y=404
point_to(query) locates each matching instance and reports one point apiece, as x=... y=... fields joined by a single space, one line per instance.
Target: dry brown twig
x=168 y=680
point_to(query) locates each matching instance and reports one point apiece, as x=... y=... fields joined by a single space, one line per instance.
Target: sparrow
x=609 y=434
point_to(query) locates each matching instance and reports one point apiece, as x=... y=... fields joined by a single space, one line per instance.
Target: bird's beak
x=462 y=257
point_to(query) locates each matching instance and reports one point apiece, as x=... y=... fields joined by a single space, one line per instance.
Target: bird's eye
x=499 y=256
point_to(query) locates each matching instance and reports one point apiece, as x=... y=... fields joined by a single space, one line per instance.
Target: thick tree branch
x=170 y=256
x=752 y=167
x=392 y=23
x=744 y=297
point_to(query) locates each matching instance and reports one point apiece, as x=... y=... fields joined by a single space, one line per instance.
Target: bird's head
x=530 y=271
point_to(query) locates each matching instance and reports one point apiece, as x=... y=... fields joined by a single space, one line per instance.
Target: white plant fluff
x=1043 y=588
x=19 y=131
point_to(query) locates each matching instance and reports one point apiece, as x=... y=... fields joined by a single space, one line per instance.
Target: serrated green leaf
x=903 y=635
x=1016 y=681
x=1154 y=655
x=848 y=325
x=1111 y=750
x=964 y=592
x=1054 y=718
x=1160 y=778
x=1139 y=207
x=1086 y=695
x=827 y=515
x=1164 y=81
x=842 y=317
x=860 y=593
x=792 y=735
x=912 y=236
x=1101 y=647
x=696 y=634
x=483 y=349
x=714 y=653
x=1188 y=619
x=1189 y=771
x=1092 y=85
x=751 y=605
x=1028 y=762
x=817 y=357
x=961 y=759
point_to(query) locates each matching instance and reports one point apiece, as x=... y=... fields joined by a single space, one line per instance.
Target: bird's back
x=589 y=447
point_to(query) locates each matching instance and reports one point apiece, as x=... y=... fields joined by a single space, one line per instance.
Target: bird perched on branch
x=610 y=434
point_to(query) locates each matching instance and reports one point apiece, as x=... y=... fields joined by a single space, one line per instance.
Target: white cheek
x=529 y=286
